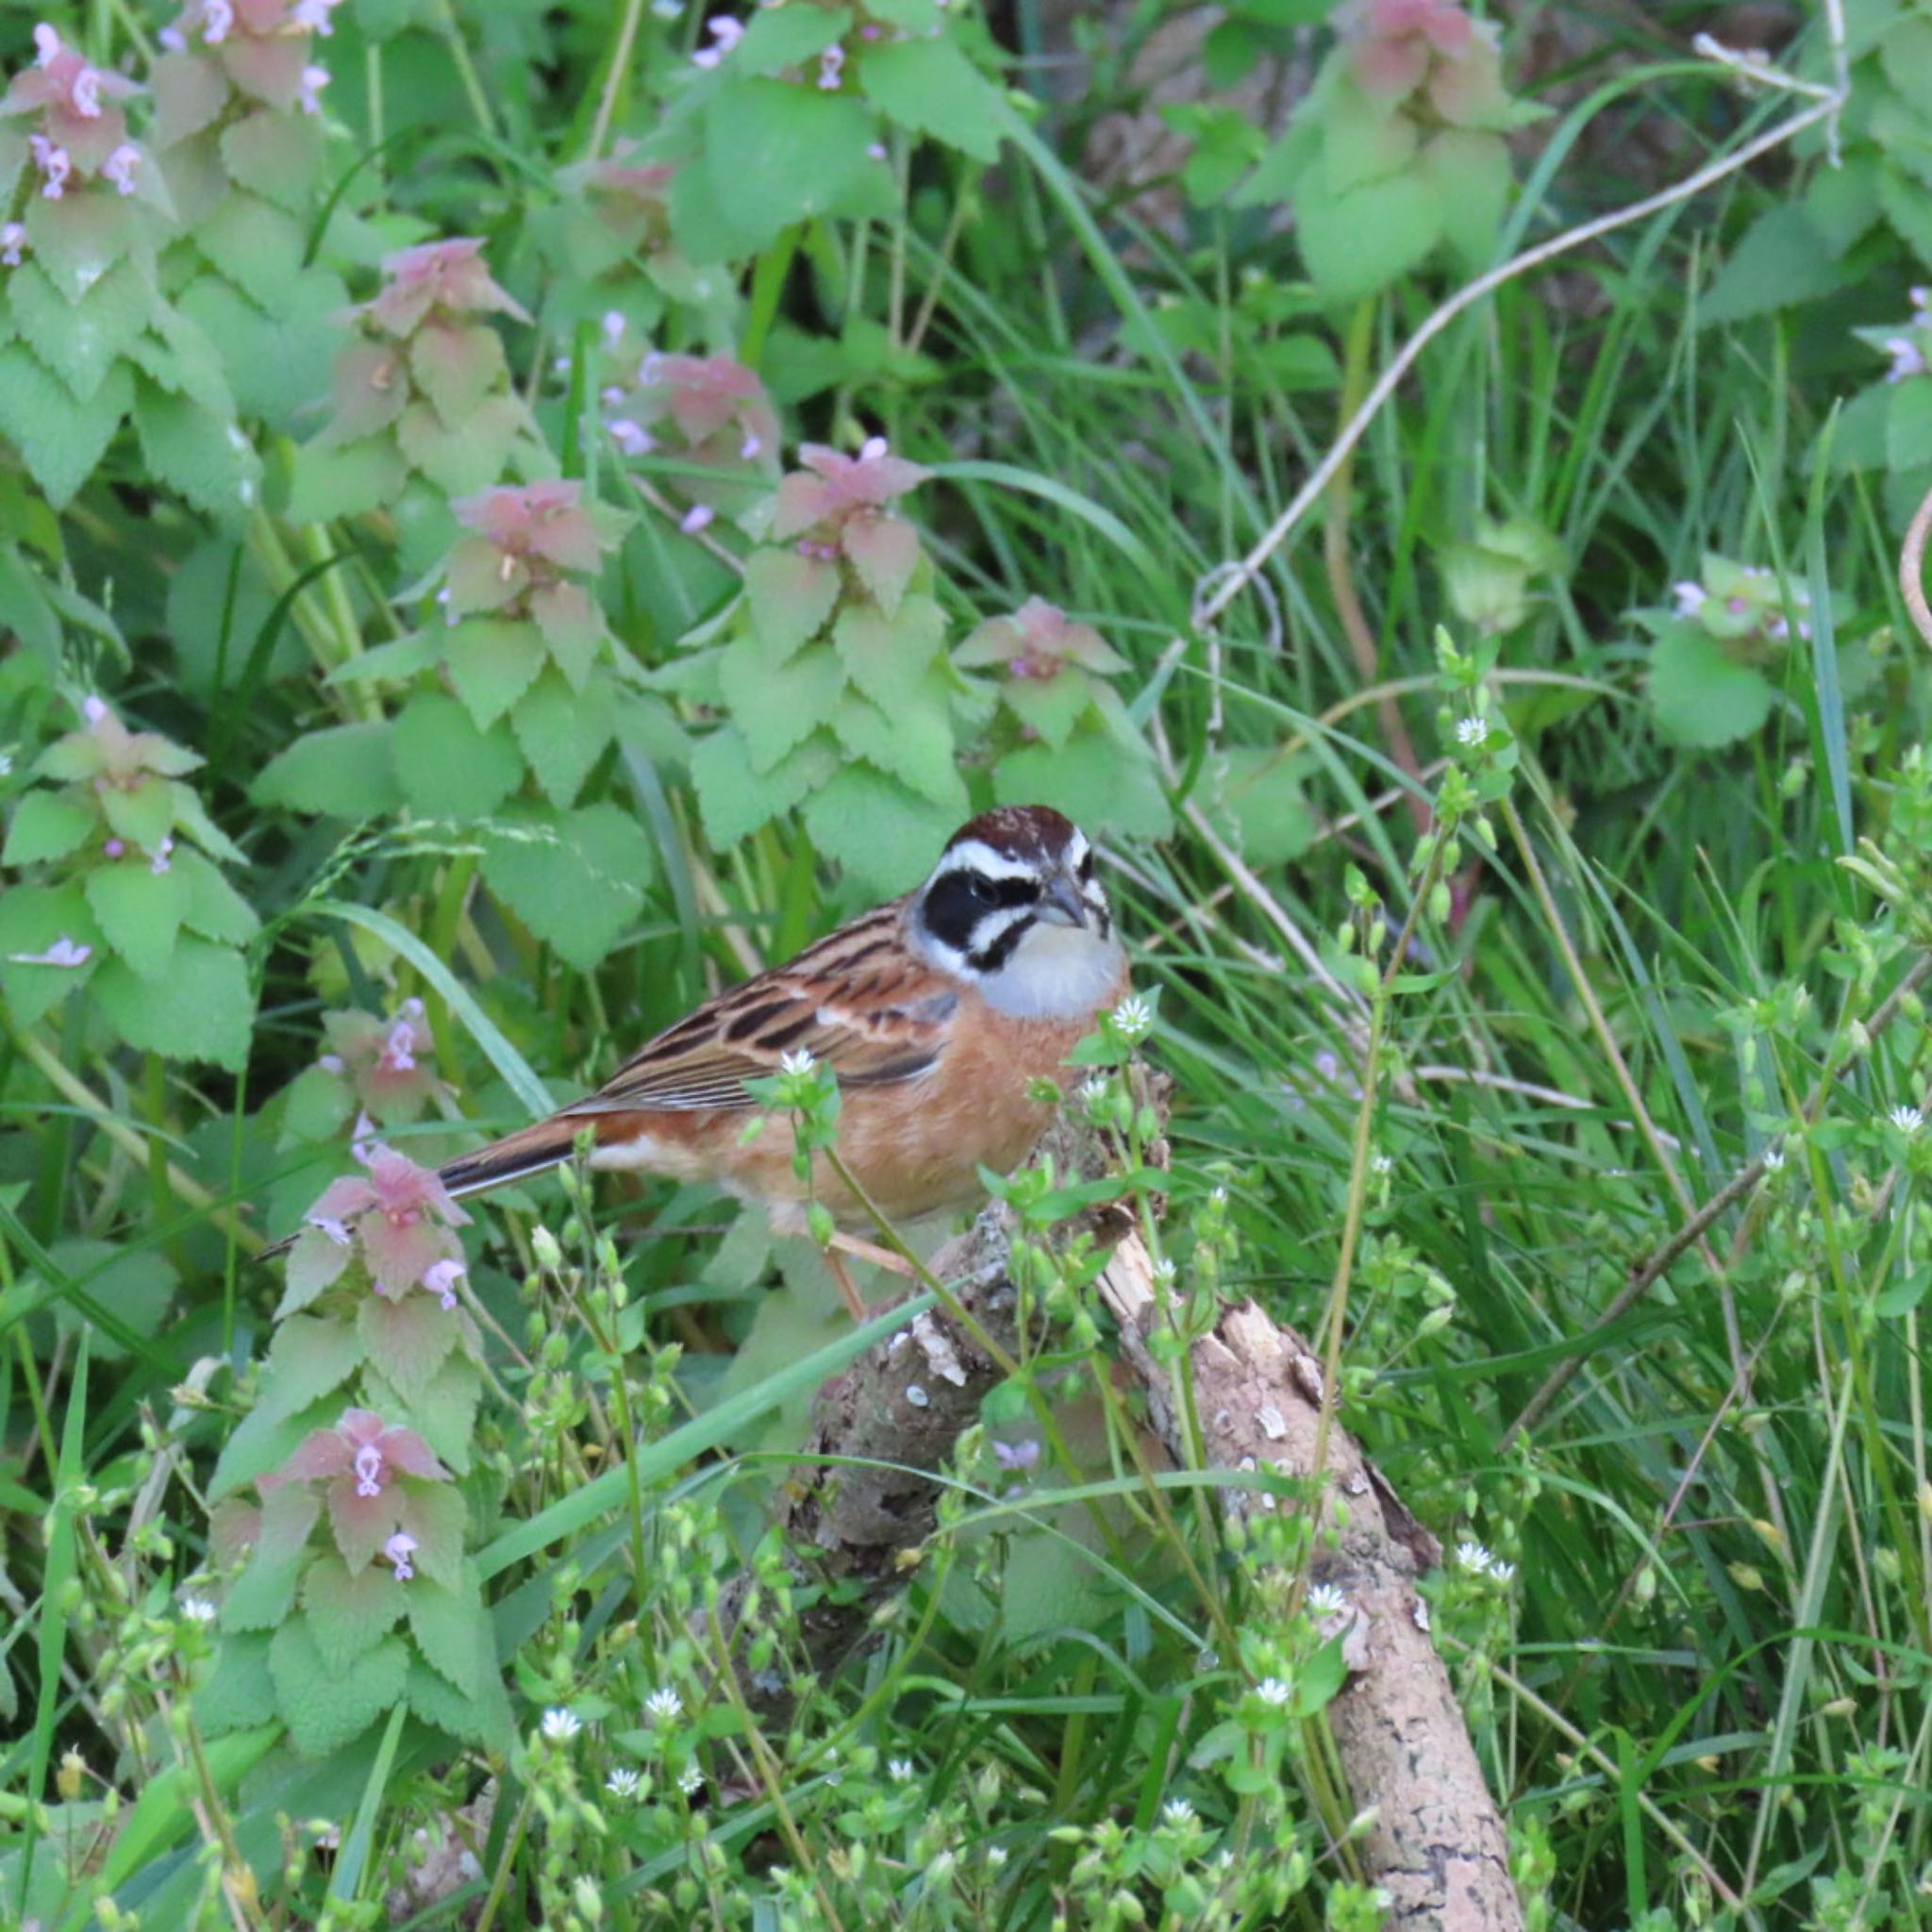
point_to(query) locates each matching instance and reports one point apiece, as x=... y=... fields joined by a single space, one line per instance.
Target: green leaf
x=914 y=744
x=930 y=87
x=1700 y=697
x=201 y=1008
x=1320 y=1680
x=32 y=919
x=1360 y=242
x=215 y=909
x=142 y=816
x=782 y=37
x=60 y=438
x=776 y=154
x=81 y=340
x=346 y=770
x=790 y=597
x=776 y=705
x=280 y=155
x=138 y=912
x=348 y=1613
x=1781 y=261
x=887 y=657
x=259 y=1443
x=435 y=1515
x=882 y=832
x=484 y=1720
x=736 y=800
x=261 y=1597
x=492 y=662
x=324 y=1708
x=457 y=368
x=562 y=734
x=1256 y=797
x=238 y=1692
x=443 y=1414
x=577 y=879
x=1471 y=172
x=77 y=238
x=310 y=1358
x=1363 y=139
x=452 y=1630
x=1908 y=425
x=202 y=457
x=408 y=1339
x=255 y=244
x=469 y=458
x=47 y=824
x=1050 y=707
x=1090 y=781
x=446 y=768
x=344 y=479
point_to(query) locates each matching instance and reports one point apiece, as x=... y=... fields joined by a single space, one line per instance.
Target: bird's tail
x=530 y=1150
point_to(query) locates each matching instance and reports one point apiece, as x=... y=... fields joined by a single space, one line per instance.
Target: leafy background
x=513 y=515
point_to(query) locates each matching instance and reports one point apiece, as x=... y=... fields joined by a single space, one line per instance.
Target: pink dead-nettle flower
x=363 y=1450
x=633 y=438
x=55 y=164
x=833 y=488
x=398 y=1550
x=530 y=536
x=1038 y=642
x=1908 y=357
x=383 y=1060
x=313 y=80
x=64 y=952
x=119 y=167
x=698 y=517
x=1400 y=44
x=401 y=1216
x=831 y=67
x=162 y=860
x=441 y=1278
x=726 y=34
x=446 y=276
x=313 y=16
x=13 y=240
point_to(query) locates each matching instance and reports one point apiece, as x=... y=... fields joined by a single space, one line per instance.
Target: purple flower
x=1907 y=358
x=399 y=1549
x=218 y=18
x=119 y=167
x=633 y=438
x=313 y=80
x=726 y=34
x=695 y=518
x=314 y=16
x=54 y=163
x=162 y=861
x=441 y=1279
x=64 y=952
x=831 y=63
x=402 y=1215
x=13 y=240
x=1690 y=598
x=1020 y=1455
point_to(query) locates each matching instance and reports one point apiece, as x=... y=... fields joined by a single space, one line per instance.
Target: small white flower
x=1502 y=1571
x=799 y=1063
x=1690 y=598
x=198 y=1609
x=663 y=1704
x=1326 y=1601
x=218 y=17
x=690 y=1780
x=1908 y=1120
x=622 y=1784
x=1773 y=1158
x=1133 y=1019
x=314 y=16
x=1165 y=1272
x=561 y=1725
x=900 y=1769
x=1177 y=1811
x=1382 y=1164
x=1273 y=1691
x=1095 y=1089
x=1471 y=731
x=313 y=80
x=1471 y=1556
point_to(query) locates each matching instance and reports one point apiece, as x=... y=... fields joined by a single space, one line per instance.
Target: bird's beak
x=1062 y=903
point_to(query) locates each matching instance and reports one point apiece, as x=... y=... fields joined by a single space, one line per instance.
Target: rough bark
x=1437 y=1844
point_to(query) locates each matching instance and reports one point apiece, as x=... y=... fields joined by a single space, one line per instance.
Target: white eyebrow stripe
x=975 y=857
x=1078 y=849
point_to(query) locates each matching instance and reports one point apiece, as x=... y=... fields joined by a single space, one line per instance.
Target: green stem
x=466 y=69
x=614 y=77
x=767 y=286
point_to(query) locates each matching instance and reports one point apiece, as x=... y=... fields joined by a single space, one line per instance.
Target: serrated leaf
x=445 y=1414
x=881 y=831
x=408 y=1339
x=277 y=358
x=47 y=824
x=1699 y=696
x=330 y=481
x=201 y=1008
x=1091 y=781
x=238 y=1692
x=1256 y=795
x=81 y=340
x=452 y=1630
x=347 y=771
x=790 y=596
x=775 y=154
x=138 y=912
x=445 y=766
x=324 y=1708
x=885 y=551
x=308 y=1359
x=259 y=1444
x=782 y=37
x=257 y=245
x=215 y=909
x=1049 y=706
x=484 y=1720
x=887 y=657
x=562 y=734
x=471 y=457
x=777 y=705
x=261 y=1597
x=456 y=368
x=32 y=919
x=577 y=879
x=349 y=1612
x=141 y=817
x=1908 y=425
x=1359 y=242
x=202 y=457
x=435 y=1515
x=77 y=238
x=60 y=438
x=1781 y=260
x=278 y=155
x=915 y=745
x=930 y=87
x=736 y=800
x=492 y=662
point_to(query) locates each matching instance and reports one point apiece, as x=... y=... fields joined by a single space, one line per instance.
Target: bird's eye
x=979 y=888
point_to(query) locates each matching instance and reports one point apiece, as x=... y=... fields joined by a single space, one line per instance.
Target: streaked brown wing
x=856 y=1001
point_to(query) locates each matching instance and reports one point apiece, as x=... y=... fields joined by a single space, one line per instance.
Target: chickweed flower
x=900 y=1769
x=663 y=1704
x=622 y=1782
x=1471 y=1556
x=1325 y=1600
x=1908 y=1120
x=1271 y=1690
x=1472 y=732
x=1177 y=1811
x=198 y=1609
x=1133 y=1019
x=560 y=1724
x=690 y=1781
x=797 y=1064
